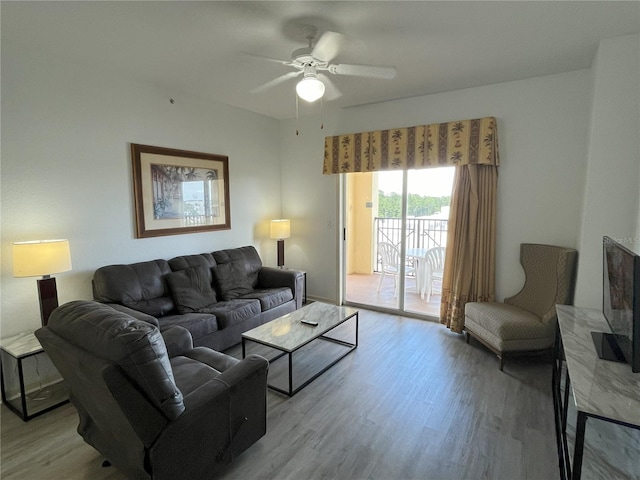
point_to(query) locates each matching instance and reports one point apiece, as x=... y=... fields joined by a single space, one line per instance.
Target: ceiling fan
x=312 y=61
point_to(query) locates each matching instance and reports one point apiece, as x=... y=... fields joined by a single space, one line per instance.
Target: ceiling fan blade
x=275 y=81
x=331 y=91
x=267 y=59
x=363 y=70
x=327 y=46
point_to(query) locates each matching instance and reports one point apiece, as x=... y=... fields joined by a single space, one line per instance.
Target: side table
x=304 y=296
x=13 y=352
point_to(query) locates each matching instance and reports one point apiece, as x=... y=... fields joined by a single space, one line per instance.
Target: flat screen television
x=620 y=305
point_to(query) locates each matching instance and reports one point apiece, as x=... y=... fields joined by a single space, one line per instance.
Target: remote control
x=309 y=322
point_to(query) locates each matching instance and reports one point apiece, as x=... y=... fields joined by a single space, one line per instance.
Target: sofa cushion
x=191 y=289
x=187 y=261
x=247 y=255
x=191 y=374
x=139 y=286
x=198 y=324
x=156 y=307
x=231 y=280
x=508 y=327
x=234 y=311
x=271 y=297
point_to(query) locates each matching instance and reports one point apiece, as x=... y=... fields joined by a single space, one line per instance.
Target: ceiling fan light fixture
x=310 y=89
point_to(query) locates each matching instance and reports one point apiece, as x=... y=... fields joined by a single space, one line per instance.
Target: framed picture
x=177 y=191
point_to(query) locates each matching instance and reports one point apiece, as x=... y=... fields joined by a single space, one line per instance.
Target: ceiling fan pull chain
x=297 y=133
x=321 y=114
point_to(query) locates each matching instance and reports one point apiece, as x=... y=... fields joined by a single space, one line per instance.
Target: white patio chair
x=435 y=270
x=391 y=264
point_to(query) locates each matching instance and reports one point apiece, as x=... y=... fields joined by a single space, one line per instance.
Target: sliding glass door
x=396 y=230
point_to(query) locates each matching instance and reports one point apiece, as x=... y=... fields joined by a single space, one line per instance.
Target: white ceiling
x=200 y=47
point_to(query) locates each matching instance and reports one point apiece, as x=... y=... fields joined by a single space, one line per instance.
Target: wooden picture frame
x=178 y=191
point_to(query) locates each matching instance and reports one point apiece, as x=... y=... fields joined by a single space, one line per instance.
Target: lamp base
x=48 y=296
x=280 y=253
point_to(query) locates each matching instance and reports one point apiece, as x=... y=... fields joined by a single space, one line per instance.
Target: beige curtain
x=469 y=268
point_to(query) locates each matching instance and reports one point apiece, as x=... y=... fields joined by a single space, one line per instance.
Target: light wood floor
x=413 y=401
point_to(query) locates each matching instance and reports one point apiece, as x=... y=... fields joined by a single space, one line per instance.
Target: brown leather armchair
x=155 y=410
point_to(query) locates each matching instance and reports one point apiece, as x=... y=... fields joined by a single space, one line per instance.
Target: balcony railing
x=421 y=232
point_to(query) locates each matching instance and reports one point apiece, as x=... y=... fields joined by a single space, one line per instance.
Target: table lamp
x=280 y=229
x=42 y=257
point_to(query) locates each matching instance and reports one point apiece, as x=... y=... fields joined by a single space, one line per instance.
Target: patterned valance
x=423 y=146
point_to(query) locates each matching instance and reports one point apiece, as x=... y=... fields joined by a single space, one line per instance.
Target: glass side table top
x=21 y=345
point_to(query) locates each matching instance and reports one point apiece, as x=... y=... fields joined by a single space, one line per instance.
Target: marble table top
x=21 y=345
x=287 y=333
x=600 y=387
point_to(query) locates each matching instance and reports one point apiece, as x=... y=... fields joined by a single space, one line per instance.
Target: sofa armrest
x=218 y=360
x=178 y=341
x=224 y=416
x=250 y=372
x=138 y=315
x=254 y=366
x=270 y=277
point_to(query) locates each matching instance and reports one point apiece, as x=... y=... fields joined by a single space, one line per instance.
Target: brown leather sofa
x=153 y=409
x=216 y=296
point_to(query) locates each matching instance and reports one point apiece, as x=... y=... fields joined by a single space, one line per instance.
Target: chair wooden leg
x=501 y=359
x=468 y=336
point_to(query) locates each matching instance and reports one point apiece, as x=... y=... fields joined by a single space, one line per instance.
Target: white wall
x=66 y=171
x=612 y=191
x=310 y=200
x=542 y=125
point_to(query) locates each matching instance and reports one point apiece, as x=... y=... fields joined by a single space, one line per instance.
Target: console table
x=601 y=389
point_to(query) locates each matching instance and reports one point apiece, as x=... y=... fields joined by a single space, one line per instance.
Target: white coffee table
x=288 y=334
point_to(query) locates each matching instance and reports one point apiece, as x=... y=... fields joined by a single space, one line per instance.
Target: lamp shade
x=310 y=89
x=41 y=257
x=280 y=228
